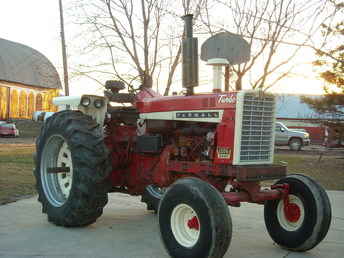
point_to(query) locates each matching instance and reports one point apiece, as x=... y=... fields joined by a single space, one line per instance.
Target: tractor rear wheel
x=71 y=169
x=194 y=220
x=305 y=221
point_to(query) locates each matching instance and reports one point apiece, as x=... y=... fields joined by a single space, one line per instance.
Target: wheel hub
x=292 y=212
x=185 y=225
x=193 y=223
x=65 y=179
x=55 y=162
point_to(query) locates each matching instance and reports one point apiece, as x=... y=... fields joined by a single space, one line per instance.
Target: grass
x=329 y=171
x=28 y=128
x=17 y=180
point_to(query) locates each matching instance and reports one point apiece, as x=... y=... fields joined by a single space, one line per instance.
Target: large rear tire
x=194 y=220
x=307 y=219
x=72 y=166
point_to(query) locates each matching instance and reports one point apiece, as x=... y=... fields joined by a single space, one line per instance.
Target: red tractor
x=189 y=157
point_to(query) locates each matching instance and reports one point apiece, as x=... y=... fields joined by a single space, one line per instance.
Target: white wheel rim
x=182 y=214
x=56 y=186
x=281 y=216
x=64 y=159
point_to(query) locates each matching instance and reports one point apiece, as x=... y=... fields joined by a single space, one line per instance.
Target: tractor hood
x=194 y=102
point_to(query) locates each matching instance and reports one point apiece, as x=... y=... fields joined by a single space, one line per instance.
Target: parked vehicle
x=179 y=153
x=8 y=129
x=300 y=130
x=295 y=139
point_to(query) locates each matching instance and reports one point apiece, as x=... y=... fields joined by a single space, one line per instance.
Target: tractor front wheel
x=304 y=220
x=71 y=169
x=194 y=220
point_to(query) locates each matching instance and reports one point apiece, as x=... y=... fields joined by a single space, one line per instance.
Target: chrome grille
x=257 y=128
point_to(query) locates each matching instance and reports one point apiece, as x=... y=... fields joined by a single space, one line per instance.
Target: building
x=291 y=111
x=28 y=81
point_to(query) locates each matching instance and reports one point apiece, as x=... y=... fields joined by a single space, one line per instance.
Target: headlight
x=98 y=103
x=306 y=135
x=85 y=101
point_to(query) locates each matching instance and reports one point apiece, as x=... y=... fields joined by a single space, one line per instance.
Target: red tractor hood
x=194 y=102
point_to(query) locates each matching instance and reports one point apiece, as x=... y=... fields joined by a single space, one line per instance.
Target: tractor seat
x=114 y=86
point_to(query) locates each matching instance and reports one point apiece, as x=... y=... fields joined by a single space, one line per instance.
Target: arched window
x=14 y=107
x=31 y=105
x=39 y=102
x=45 y=105
x=3 y=103
x=23 y=104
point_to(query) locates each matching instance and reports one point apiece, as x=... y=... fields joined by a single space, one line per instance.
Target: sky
x=36 y=23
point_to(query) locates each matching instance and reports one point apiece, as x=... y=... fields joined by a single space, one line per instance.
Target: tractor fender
x=76 y=103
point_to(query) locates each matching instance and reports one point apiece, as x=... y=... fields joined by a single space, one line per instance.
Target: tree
x=276 y=30
x=331 y=64
x=141 y=38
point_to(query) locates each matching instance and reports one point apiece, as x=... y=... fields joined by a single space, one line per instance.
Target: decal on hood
x=227 y=99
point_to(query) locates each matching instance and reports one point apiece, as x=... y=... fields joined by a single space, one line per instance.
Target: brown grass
x=28 y=128
x=329 y=172
x=16 y=178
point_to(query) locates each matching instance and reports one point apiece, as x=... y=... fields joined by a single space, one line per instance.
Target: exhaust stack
x=190 y=57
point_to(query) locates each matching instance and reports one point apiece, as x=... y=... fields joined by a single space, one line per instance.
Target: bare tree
x=137 y=37
x=276 y=30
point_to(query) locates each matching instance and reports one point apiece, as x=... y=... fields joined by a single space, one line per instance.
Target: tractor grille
x=257 y=128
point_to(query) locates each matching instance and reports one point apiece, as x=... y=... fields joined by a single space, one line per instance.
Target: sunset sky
x=36 y=24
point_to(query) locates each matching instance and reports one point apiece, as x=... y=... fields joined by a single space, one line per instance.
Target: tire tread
x=91 y=163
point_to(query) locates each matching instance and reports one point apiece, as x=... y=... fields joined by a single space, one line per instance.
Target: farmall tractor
x=189 y=157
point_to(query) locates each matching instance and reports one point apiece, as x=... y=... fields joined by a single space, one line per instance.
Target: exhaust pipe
x=188 y=25
x=190 y=57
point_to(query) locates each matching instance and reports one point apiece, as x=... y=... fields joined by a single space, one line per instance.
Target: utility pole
x=64 y=55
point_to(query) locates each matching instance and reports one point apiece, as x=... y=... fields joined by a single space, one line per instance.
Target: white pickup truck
x=293 y=138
